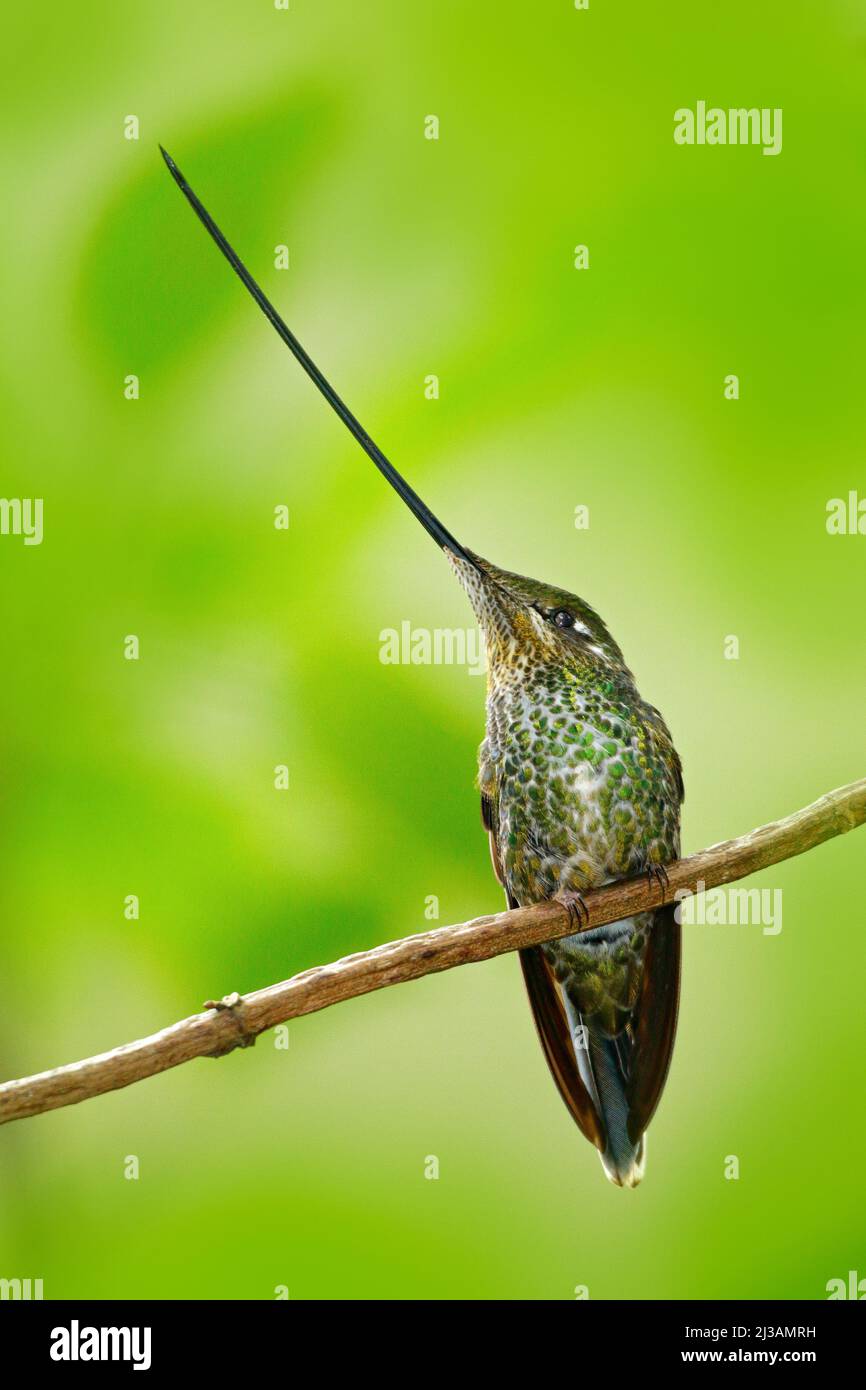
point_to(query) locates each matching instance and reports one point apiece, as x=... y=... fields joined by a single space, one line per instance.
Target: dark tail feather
x=623 y=1159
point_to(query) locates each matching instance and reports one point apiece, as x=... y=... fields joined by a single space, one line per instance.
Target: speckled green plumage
x=582 y=785
x=586 y=782
x=584 y=775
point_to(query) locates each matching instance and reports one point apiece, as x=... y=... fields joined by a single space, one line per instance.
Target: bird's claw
x=233 y=1004
x=657 y=873
x=575 y=906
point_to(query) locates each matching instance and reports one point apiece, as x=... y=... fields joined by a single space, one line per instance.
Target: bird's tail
x=605 y=1076
x=610 y=1069
x=604 y=1063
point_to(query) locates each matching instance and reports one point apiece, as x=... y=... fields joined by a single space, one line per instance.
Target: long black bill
x=431 y=524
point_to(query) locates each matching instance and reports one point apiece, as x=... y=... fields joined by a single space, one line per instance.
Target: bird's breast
x=583 y=789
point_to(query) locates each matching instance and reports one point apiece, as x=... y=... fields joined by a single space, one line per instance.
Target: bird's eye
x=563 y=618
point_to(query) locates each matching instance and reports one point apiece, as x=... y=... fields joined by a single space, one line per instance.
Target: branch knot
x=232 y=1004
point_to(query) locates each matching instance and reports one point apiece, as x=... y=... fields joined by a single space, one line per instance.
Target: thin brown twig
x=237 y=1020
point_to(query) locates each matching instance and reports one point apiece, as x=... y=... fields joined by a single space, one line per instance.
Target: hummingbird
x=581 y=785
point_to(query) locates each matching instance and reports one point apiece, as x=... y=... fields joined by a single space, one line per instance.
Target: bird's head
x=528 y=623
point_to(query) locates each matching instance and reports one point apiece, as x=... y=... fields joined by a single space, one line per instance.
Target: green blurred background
x=558 y=387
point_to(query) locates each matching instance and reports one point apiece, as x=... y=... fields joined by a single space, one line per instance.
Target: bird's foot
x=657 y=873
x=575 y=905
x=233 y=1004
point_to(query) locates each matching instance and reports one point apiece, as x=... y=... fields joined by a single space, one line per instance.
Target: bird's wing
x=653 y=1023
x=548 y=1009
x=649 y=1036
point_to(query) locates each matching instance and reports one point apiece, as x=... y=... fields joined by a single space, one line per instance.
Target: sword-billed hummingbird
x=580 y=785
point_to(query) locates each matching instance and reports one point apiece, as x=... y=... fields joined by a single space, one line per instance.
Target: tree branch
x=236 y=1021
